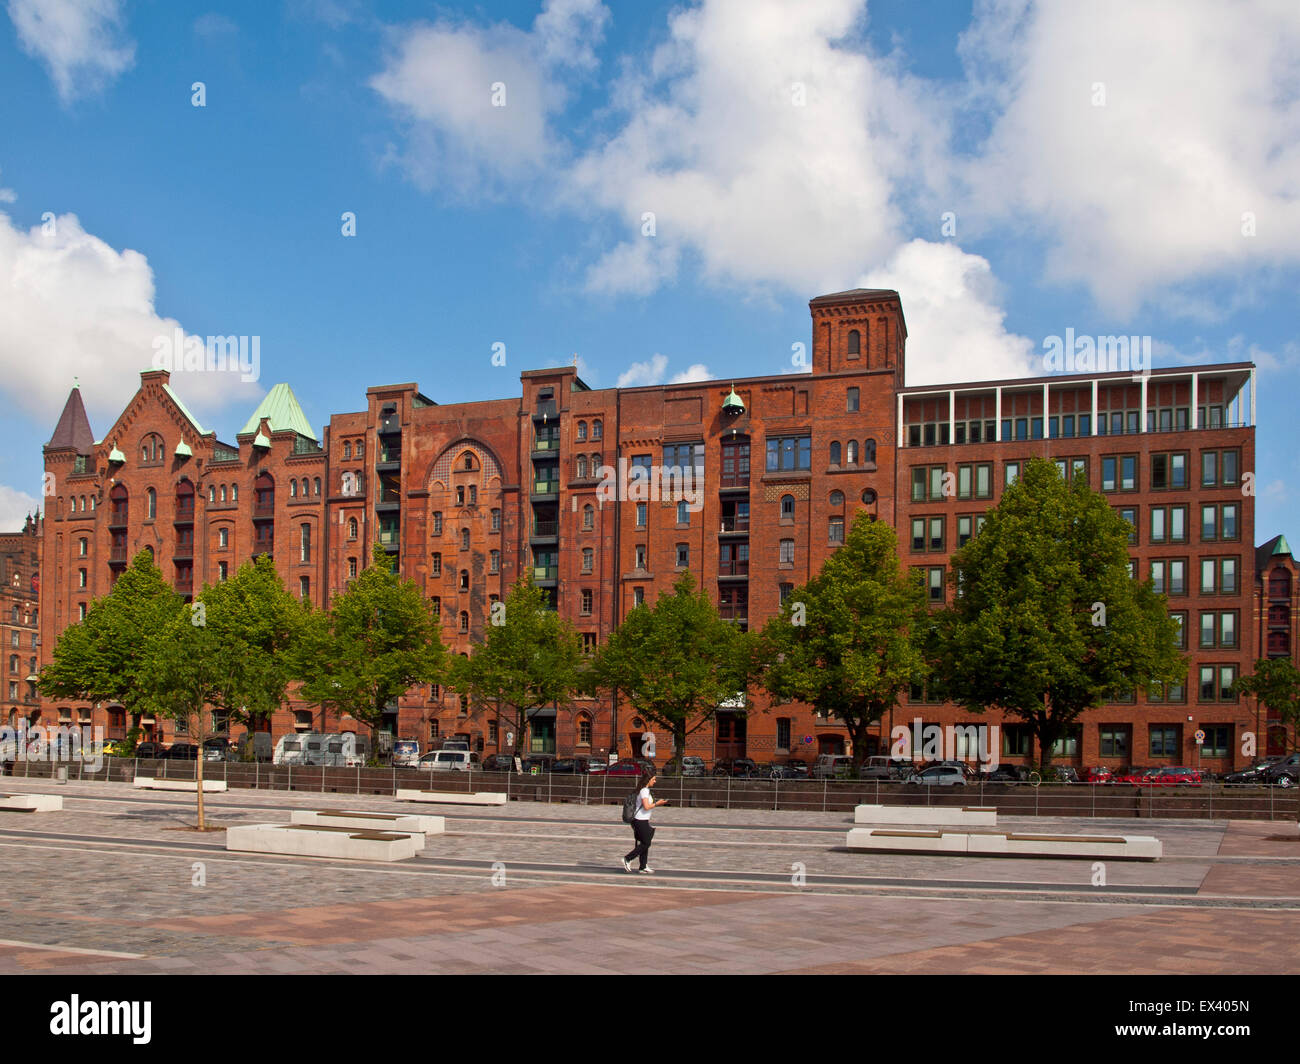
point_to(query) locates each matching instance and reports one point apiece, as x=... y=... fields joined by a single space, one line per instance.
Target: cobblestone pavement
x=108 y=885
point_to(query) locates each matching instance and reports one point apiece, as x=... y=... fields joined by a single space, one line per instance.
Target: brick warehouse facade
x=465 y=496
x=19 y=620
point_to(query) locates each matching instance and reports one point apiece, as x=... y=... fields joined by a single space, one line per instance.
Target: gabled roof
x=1275 y=547
x=181 y=406
x=73 y=429
x=281 y=409
x=855 y=295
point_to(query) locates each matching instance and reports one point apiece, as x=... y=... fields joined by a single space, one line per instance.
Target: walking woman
x=641 y=824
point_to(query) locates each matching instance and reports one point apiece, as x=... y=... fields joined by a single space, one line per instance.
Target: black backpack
x=630 y=805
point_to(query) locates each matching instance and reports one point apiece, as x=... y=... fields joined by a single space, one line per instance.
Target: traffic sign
x=1200 y=736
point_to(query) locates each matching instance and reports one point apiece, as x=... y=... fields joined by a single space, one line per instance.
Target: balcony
x=731 y=525
x=390 y=425
x=733 y=569
x=546 y=443
x=183 y=552
x=117 y=517
x=264 y=545
x=389 y=460
x=184 y=585
x=546 y=572
x=264 y=512
x=389 y=537
x=546 y=529
x=117 y=556
x=546 y=487
x=184 y=515
x=547 y=410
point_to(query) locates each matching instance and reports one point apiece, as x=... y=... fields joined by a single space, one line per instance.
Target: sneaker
x=627 y=865
x=647 y=871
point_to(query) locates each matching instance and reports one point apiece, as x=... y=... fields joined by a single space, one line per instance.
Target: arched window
x=588 y=517
x=293 y=489
x=851 y=452
x=855 y=342
x=347 y=449
x=835 y=453
x=464 y=621
x=582 y=430
x=212 y=493
x=837 y=498
x=584 y=729
x=469 y=461
x=352 y=528
x=473 y=494
x=305 y=529
x=787 y=507
x=582 y=467
x=464 y=579
x=151 y=504
x=464 y=539
x=264 y=495
x=234 y=493
x=595 y=429
x=223 y=493
x=869 y=452
x=304 y=487
x=315 y=486
x=83 y=504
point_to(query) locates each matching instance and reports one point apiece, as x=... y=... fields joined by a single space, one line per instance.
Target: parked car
x=406 y=752
x=788 y=770
x=1004 y=773
x=150 y=750
x=884 y=769
x=1129 y=774
x=182 y=752
x=573 y=766
x=631 y=766
x=939 y=776
x=739 y=767
x=450 y=761
x=1253 y=774
x=1178 y=775
x=536 y=764
x=1097 y=774
x=1283 y=773
x=498 y=763
x=832 y=766
x=217 y=748
x=1063 y=774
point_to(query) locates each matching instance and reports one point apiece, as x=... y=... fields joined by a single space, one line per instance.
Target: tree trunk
x=198 y=776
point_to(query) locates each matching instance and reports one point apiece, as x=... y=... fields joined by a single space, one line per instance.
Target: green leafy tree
x=675 y=662
x=850 y=640
x=1275 y=683
x=375 y=642
x=107 y=656
x=1046 y=621
x=529 y=658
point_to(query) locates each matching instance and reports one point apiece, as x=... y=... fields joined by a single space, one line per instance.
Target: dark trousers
x=644 y=833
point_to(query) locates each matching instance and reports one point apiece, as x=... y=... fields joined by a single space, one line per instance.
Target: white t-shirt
x=642 y=813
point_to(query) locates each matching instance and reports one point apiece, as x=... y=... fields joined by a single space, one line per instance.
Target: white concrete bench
x=1011 y=843
x=209 y=786
x=406 y=823
x=453 y=797
x=31 y=803
x=301 y=840
x=947 y=815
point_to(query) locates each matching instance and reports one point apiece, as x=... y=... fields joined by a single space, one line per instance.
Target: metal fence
x=1209 y=801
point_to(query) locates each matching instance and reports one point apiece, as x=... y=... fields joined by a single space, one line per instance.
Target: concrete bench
x=1018 y=844
x=301 y=840
x=152 y=783
x=405 y=823
x=948 y=815
x=31 y=803
x=453 y=797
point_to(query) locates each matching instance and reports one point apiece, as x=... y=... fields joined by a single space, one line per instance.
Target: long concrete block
x=410 y=823
x=947 y=815
x=453 y=797
x=31 y=803
x=209 y=786
x=1006 y=843
x=300 y=840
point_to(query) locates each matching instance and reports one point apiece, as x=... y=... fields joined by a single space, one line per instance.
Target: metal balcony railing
x=734 y=524
x=546 y=572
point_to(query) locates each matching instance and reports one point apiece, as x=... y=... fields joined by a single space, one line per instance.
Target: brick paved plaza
x=106 y=887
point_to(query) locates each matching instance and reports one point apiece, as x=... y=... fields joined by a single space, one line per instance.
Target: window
x=835 y=453
x=837 y=498
x=1012 y=474
x=1164 y=743
x=83 y=545
x=435 y=564
x=304 y=587
x=640 y=515
x=935 y=583
x=306 y=544
x=315 y=486
x=855 y=343
x=1114 y=740
x=347 y=449
x=494 y=561
x=1219 y=522
x=464 y=621
x=460 y=495
x=582 y=430
x=1218 y=739
x=496 y=521
x=683 y=555
x=1180 y=619
x=1130 y=514
x=1108 y=470
x=151 y=504
x=837 y=530
x=586 y=601
x=638 y=596
x=963 y=530
x=851 y=452
x=1217 y=684
x=787 y=507
x=595 y=429
x=437 y=523
x=852 y=404
x=683 y=512
x=785 y=591
x=464 y=579
x=352 y=527
x=464 y=539
x=787 y=552
x=589 y=642
x=473 y=494
x=584 y=730
x=293 y=489
x=588 y=517
x=640 y=555
x=582 y=467
x=1178 y=576
x=789 y=452
x=587 y=557
x=352 y=568
x=223 y=538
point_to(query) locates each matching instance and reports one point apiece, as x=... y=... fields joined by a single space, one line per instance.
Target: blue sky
x=1110 y=168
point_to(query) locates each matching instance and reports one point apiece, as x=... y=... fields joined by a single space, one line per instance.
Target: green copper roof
x=177 y=400
x=183 y=450
x=733 y=401
x=1281 y=546
x=260 y=440
x=281 y=408
x=115 y=455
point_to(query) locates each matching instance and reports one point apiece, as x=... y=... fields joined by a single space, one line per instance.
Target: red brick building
x=765 y=474
x=19 y=618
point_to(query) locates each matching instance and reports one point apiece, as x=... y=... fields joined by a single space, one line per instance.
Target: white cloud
x=955 y=328
x=14 y=507
x=7 y=195
x=214 y=26
x=476 y=100
x=71 y=306
x=80 y=41
x=1200 y=124
x=655 y=369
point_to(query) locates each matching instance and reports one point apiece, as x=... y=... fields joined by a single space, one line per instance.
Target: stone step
x=300 y=840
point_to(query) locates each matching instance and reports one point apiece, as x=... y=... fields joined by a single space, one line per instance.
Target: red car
x=628 y=767
x=1099 y=774
x=1172 y=776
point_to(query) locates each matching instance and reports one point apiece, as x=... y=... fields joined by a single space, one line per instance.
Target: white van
x=832 y=766
x=450 y=761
